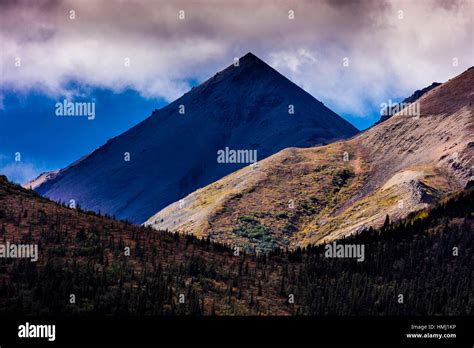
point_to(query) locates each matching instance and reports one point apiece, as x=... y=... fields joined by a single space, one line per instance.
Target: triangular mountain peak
x=250 y=107
x=248 y=66
x=250 y=58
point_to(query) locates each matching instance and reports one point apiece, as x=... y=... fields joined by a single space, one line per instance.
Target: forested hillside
x=426 y=258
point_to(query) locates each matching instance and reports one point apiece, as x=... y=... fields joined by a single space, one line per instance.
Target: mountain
x=246 y=108
x=390 y=111
x=314 y=195
x=82 y=253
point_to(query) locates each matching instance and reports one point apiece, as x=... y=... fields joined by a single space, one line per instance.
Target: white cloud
x=292 y=60
x=20 y=172
x=387 y=55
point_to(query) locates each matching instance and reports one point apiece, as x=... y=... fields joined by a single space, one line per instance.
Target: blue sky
x=46 y=142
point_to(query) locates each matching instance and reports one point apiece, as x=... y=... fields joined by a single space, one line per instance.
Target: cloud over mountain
x=388 y=51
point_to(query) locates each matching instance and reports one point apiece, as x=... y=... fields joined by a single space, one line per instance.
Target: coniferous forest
x=91 y=264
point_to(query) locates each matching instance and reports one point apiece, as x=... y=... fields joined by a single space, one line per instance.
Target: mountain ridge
x=171 y=154
x=396 y=167
x=389 y=111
